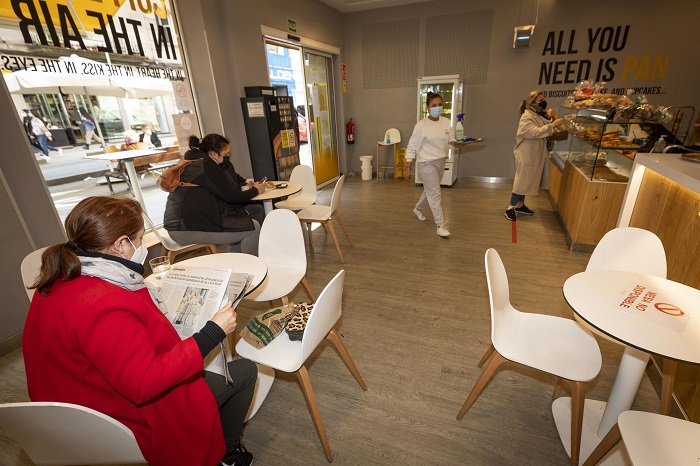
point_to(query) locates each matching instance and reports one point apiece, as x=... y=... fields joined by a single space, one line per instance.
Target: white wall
x=656 y=28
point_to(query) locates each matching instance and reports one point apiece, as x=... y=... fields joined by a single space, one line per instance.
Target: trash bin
x=366 y=166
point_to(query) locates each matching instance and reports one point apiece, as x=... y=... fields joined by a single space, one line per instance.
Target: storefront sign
x=641 y=301
x=130 y=27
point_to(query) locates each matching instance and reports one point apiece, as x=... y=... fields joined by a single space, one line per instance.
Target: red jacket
x=98 y=345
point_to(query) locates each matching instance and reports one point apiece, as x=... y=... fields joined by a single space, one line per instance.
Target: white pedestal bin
x=366 y=166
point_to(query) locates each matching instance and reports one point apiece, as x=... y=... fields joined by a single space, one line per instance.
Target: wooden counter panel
x=554 y=186
x=588 y=209
x=671 y=212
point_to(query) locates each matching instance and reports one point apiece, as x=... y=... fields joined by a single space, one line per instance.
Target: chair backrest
x=30 y=267
x=394 y=135
x=282 y=240
x=324 y=315
x=112 y=148
x=337 y=192
x=629 y=249
x=503 y=315
x=303 y=175
x=165 y=239
x=64 y=433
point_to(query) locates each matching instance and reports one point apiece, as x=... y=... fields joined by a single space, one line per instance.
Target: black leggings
x=234 y=399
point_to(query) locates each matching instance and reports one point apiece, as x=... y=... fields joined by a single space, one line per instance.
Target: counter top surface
x=673 y=167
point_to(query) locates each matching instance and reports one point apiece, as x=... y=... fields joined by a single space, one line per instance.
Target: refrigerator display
x=271 y=130
x=451 y=89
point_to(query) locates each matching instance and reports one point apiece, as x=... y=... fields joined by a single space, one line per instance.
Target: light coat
x=530 y=152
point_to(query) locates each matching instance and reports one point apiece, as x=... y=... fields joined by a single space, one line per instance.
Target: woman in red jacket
x=95 y=336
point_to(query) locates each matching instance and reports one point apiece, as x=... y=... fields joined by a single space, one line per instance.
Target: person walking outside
x=429 y=146
x=530 y=151
x=41 y=133
x=89 y=126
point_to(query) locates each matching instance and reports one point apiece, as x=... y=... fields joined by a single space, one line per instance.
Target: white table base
x=266 y=376
x=599 y=417
x=592 y=414
x=267 y=205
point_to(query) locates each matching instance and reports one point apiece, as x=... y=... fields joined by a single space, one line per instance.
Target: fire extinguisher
x=350 y=129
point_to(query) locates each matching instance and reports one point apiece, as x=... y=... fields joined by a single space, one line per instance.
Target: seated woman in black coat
x=217 y=210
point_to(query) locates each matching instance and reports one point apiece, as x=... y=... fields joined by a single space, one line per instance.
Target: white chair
x=64 y=433
x=323 y=214
x=30 y=268
x=282 y=248
x=303 y=175
x=285 y=355
x=633 y=250
x=171 y=248
x=652 y=440
x=550 y=344
x=394 y=137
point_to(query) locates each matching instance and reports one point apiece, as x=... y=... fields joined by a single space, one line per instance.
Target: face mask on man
x=435 y=112
x=140 y=253
x=543 y=105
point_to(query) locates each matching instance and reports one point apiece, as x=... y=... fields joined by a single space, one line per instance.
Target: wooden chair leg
x=303 y=376
x=311 y=236
x=334 y=337
x=285 y=300
x=486 y=355
x=557 y=388
x=307 y=287
x=163 y=251
x=667 y=377
x=342 y=225
x=607 y=444
x=211 y=247
x=335 y=240
x=481 y=382
x=578 y=398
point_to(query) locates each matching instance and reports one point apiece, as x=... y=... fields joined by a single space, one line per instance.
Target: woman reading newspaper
x=96 y=336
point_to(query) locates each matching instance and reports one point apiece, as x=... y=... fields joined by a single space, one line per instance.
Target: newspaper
x=193 y=295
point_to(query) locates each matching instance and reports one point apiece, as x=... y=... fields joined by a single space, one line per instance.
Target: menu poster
x=652 y=305
x=185 y=126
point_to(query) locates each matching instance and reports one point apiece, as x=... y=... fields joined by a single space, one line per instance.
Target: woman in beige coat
x=530 y=151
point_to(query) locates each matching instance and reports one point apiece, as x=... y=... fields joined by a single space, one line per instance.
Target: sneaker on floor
x=44 y=157
x=510 y=214
x=419 y=215
x=443 y=231
x=240 y=457
x=524 y=210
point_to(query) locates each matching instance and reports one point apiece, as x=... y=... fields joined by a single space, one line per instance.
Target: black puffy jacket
x=215 y=204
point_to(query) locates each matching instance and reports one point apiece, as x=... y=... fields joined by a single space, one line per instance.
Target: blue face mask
x=435 y=112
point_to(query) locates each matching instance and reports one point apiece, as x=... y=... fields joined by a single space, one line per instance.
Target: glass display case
x=600 y=146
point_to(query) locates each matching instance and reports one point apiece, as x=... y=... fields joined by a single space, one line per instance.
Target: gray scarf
x=118 y=274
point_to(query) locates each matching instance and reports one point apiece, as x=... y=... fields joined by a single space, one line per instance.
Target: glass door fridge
x=451 y=89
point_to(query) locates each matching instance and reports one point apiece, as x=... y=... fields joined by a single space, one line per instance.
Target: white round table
x=271 y=194
x=650 y=315
x=239 y=263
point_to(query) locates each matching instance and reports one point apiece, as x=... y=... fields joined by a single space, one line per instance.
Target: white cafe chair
x=548 y=343
x=64 y=433
x=633 y=250
x=303 y=175
x=30 y=268
x=282 y=248
x=170 y=247
x=652 y=440
x=324 y=214
x=285 y=355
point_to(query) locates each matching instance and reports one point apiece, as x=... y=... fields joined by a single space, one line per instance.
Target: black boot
x=86 y=146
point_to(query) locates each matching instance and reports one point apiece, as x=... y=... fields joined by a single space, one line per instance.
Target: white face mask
x=148 y=131
x=140 y=253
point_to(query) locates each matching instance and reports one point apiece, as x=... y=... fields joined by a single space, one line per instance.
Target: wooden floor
x=416 y=321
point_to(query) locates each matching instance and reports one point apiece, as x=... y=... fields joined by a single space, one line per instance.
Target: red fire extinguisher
x=350 y=129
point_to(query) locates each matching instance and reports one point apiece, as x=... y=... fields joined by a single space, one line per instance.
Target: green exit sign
x=292 y=25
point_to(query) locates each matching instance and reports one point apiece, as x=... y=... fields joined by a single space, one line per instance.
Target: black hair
x=213 y=141
x=430 y=97
x=84 y=112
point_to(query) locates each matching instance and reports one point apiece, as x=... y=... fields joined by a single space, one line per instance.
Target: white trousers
x=431 y=173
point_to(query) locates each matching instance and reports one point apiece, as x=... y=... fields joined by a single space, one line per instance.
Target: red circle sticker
x=669 y=309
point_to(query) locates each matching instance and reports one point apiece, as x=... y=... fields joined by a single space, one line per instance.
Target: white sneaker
x=419 y=215
x=60 y=152
x=45 y=157
x=443 y=231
